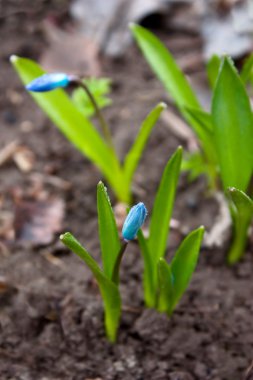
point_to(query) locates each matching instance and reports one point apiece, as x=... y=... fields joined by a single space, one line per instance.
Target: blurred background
x=50 y=312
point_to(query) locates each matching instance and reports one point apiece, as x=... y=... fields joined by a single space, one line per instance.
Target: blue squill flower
x=134 y=221
x=48 y=82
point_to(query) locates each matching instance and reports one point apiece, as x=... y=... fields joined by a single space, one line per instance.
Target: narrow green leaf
x=241 y=208
x=108 y=289
x=134 y=155
x=202 y=124
x=233 y=128
x=184 y=263
x=149 y=286
x=247 y=70
x=108 y=233
x=242 y=201
x=72 y=243
x=163 y=206
x=166 y=287
x=72 y=123
x=165 y=67
x=213 y=67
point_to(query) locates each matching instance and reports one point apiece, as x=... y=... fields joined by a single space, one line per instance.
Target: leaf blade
x=184 y=263
x=233 y=128
x=166 y=287
x=134 y=154
x=242 y=201
x=163 y=206
x=241 y=208
x=247 y=70
x=108 y=233
x=148 y=272
x=165 y=67
x=213 y=66
x=108 y=290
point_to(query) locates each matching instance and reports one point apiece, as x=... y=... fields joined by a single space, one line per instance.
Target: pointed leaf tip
x=131 y=25
x=13 y=58
x=163 y=105
x=65 y=235
x=101 y=184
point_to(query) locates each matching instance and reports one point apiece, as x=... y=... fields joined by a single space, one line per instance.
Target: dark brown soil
x=51 y=316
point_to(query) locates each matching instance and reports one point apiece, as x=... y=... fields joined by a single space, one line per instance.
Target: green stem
x=103 y=123
x=115 y=274
x=239 y=242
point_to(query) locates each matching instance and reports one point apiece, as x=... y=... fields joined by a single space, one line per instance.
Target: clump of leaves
x=165 y=283
x=225 y=134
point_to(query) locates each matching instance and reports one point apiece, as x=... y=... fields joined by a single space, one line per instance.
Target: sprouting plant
x=225 y=134
x=65 y=113
x=112 y=249
x=164 y=284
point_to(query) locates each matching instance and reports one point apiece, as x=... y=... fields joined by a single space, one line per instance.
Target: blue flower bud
x=48 y=82
x=134 y=221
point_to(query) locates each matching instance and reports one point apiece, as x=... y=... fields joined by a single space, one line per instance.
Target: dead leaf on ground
x=23 y=157
x=70 y=52
x=6 y=153
x=37 y=221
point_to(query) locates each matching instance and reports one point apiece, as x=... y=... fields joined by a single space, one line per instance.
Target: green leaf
x=99 y=87
x=194 y=164
x=165 y=67
x=242 y=202
x=247 y=70
x=202 y=124
x=108 y=233
x=149 y=286
x=233 y=128
x=166 y=287
x=241 y=207
x=108 y=289
x=213 y=67
x=163 y=206
x=72 y=123
x=184 y=263
x=133 y=156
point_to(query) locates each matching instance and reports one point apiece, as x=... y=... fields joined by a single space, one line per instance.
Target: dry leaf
x=37 y=221
x=7 y=152
x=24 y=159
x=70 y=52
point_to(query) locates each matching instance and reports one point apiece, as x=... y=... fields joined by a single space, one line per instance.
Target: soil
x=51 y=316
